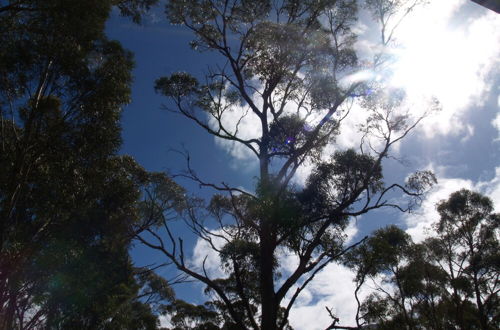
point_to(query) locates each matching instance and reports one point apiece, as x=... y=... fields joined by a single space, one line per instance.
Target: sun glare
x=449 y=63
x=430 y=62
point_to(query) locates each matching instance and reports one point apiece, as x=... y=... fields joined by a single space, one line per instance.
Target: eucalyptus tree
x=67 y=200
x=468 y=250
x=449 y=281
x=382 y=252
x=289 y=67
x=408 y=289
x=134 y=9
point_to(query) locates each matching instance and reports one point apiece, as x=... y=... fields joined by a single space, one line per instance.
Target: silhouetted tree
x=449 y=281
x=380 y=253
x=468 y=250
x=67 y=201
x=288 y=66
x=131 y=8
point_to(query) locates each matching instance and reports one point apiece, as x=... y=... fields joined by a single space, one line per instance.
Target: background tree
x=408 y=288
x=286 y=65
x=67 y=201
x=469 y=251
x=189 y=316
x=135 y=9
x=380 y=253
x=447 y=281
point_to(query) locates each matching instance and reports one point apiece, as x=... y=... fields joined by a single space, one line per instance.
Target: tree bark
x=267 y=247
x=268 y=296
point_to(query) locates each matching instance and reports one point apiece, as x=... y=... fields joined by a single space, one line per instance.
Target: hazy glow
x=450 y=63
x=430 y=64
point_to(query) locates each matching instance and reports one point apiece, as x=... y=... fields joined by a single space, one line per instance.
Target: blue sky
x=449 y=49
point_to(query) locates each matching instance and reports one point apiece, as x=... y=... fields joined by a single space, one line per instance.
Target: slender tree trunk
x=459 y=315
x=408 y=321
x=8 y=322
x=482 y=317
x=267 y=247
x=269 y=308
x=358 y=308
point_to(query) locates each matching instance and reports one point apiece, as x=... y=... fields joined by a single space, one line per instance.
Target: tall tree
x=468 y=250
x=287 y=65
x=409 y=288
x=380 y=253
x=67 y=201
x=450 y=281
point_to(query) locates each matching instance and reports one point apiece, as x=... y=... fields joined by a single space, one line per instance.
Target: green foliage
x=381 y=252
x=177 y=85
x=420 y=181
x=285 y=65
x=67 y=201
x=195 y=317
x=332 y=185
x=445 y=282
x=134 y=9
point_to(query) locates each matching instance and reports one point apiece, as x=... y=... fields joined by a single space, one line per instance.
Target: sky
x=449 y=50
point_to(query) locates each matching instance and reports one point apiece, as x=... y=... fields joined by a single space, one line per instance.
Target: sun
x=446 y=58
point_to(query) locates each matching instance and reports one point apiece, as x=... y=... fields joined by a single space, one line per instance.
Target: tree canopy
x=287 y=65
x=67 y=200
x=448 y=281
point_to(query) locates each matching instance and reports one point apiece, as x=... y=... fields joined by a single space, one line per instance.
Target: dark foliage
x=449 y=281
x=67 y=201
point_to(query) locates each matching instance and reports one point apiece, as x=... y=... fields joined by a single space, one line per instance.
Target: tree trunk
x=8 y=322
x=269 y=308
x=267 y=247
x=482 y=317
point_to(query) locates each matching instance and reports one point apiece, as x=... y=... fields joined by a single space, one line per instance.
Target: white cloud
x=451 y=63
x=245 y=125
x=165 y=321
x=352 y=230
x=492 y=189
x=420 y=223
x=496 y=122
x=203 y=253
x=469 y=132
x=333 y=287
x=350 y=137
x=454 y=64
